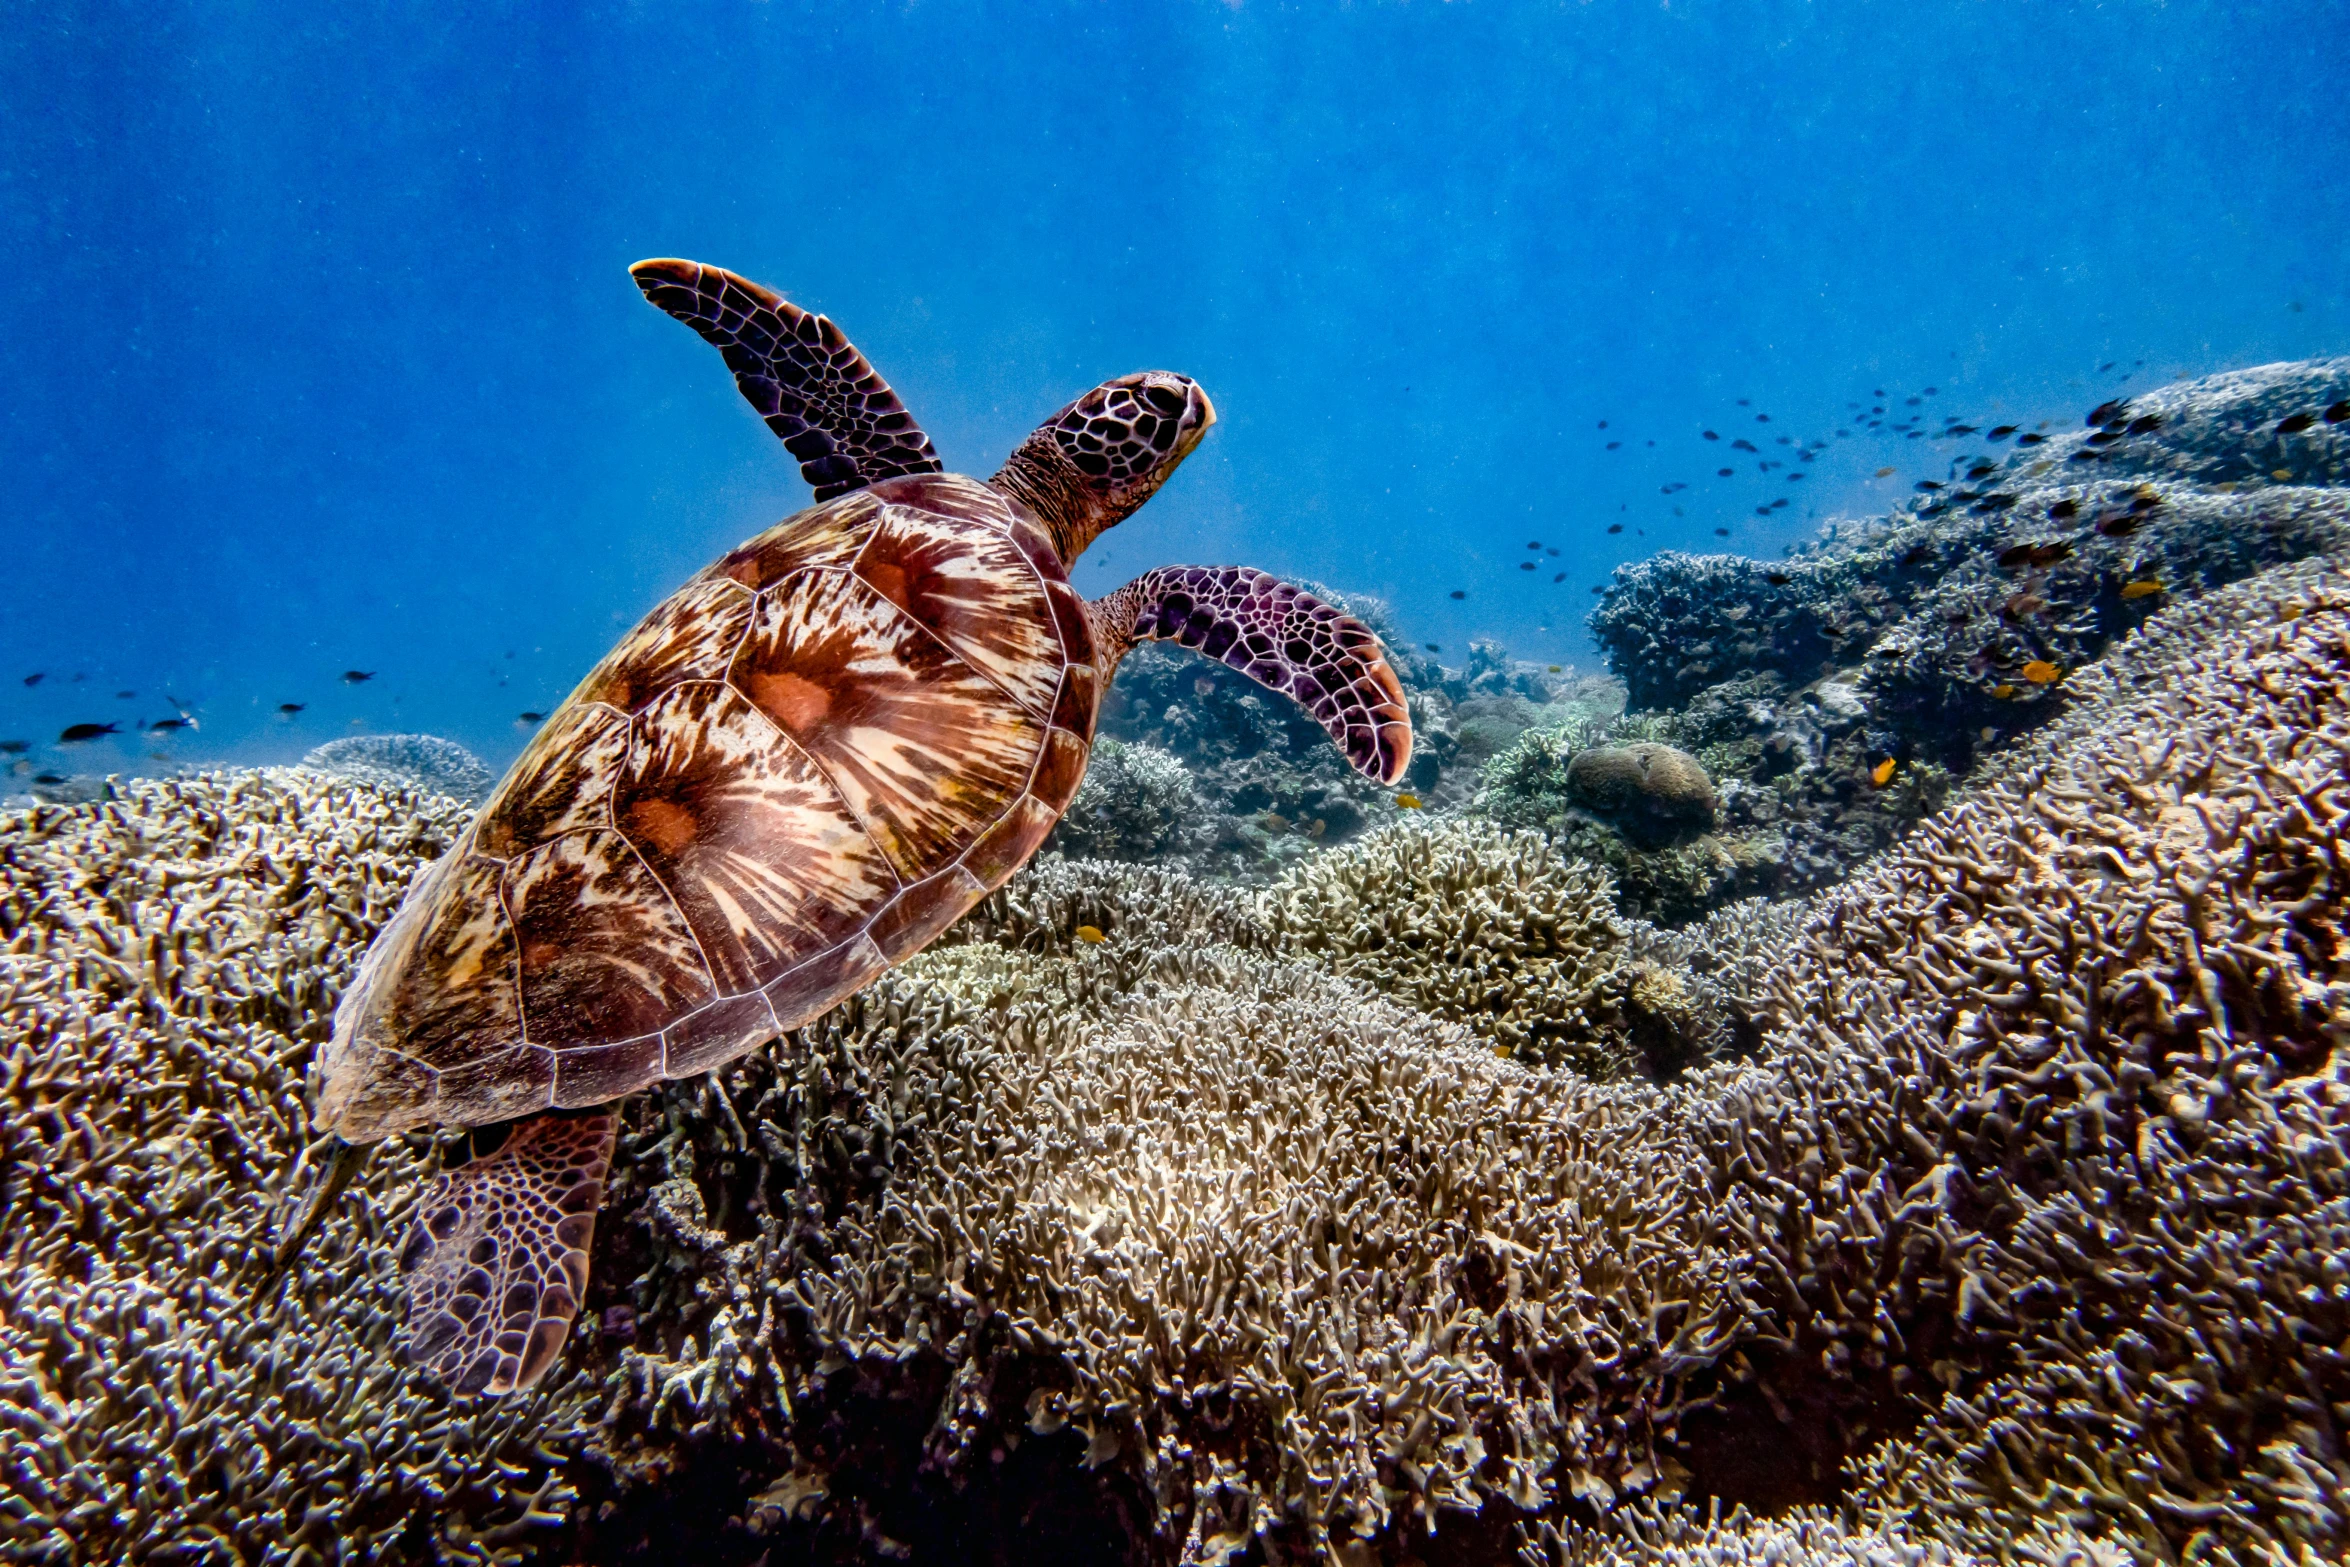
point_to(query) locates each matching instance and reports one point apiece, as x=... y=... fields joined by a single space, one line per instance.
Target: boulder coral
x=1655 y=793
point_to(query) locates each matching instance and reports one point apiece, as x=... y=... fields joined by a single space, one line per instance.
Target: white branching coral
x=168 y=959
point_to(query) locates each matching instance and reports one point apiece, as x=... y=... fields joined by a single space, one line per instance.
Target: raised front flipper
x=498 y=1262
x=1279 y=636
x=834 y=412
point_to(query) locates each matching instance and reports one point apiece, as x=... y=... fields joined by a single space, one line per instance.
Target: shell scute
x=923 y=748
x=975 y=590
x=817 y=984
x=498 y=1087
x=690 y=636
x=604 y=953
x=590 y=1074
x=827 y=535
x=561 y=783
x=1006 y=846
x=762 y=859
x=924 y=910
x=717 y=1034
x=454 y=1000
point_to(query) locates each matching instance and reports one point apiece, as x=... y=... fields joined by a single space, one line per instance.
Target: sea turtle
x=796 y=771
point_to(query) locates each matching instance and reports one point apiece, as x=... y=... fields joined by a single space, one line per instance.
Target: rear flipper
x=497 y=1264
x=1279 y=636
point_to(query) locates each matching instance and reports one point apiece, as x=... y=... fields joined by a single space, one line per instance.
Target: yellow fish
x=2003 y=691
x=1555 y=669
x=2280 y=473
x=1091 y=935
x=1882 y=773
x=1884 y=472
x=2040 y=672
x=2143 y=589
x=1409 y=802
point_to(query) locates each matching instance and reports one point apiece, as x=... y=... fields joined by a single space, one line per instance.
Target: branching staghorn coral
x=168 y=959
x=1472 y=924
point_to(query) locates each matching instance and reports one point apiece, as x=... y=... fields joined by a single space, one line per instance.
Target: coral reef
x=1469 y=923
x=168 y=959
x=1939 y=633
x=2082 y=1045
x=422 y=762
x=1137 y=803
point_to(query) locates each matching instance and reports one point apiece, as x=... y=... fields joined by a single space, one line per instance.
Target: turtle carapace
x=796 y=771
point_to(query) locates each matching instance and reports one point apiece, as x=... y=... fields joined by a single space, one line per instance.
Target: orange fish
x=2003 y=691
x=1409 y=802
x=2040 y=672
x=2143 y=589
x=1091 y=935
x=1882 y=773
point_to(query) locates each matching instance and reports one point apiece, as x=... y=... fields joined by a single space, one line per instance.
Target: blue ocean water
x=321 y=352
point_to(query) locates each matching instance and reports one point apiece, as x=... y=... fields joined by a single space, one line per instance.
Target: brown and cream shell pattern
x=798 y=769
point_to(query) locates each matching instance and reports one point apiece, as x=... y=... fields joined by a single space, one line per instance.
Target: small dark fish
x=2108 y=437
x=1996 y=501
x=1597 y=588
x=1775 y=505
x=2085 y=454
x=165 y=725
x=1777 y=579
x=1929 y=391
x=124 y=696
x=1743 y=445
x=36 y=677
x=2029 y=438
x=2145 y=503
x=1561 y=577
x=1927 y=486
x=1722 y=533
x=2023 y=604
x=1724 y=473
x=1673 y=488
x=1525 y=565
x=2294 y=424
x=75 y=734
x=1460 y=593
x=1615 y=527
x=1982 y=470
x=2146 y=424
x=1744 y=402
x=2064 y=509
x=353 y=677
x=1762 y=418
x=15 y=747
x=1614 y=445
x=1533 y=544
x=1960 y=429
x=1603 y=424
x=2118 y=527
x=48 y=778
x=1793 y=477
x=291 y=708
x=1433 y=647
x=2049 y=554
x=530 y=718
x=1547 y=550
x=1999 y=432
x=2108 y=365
x=2339 y=412
x=1709 y=435
x=2108 y=412
x=2015 y=555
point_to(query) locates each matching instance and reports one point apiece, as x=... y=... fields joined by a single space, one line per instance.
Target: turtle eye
x=1164 y=398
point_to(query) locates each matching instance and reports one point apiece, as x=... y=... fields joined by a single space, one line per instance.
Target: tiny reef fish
x=74 y=734
x=1408 y=802
x=2294 y=424
x=530 y=718
x=291 y=708
x=1882 y=773
x=1091 y=935
x=2040 y=672
x=15 y=747
x=354 y=676
x=2004 y=691
x=2145 y=588
x=1884 y=473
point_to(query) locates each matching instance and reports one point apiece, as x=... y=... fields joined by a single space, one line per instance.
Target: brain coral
x=1655 y=792
x=1471 y=924
x=171 y=956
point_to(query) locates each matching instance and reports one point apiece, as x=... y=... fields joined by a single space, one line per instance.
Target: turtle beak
x=1207 y=410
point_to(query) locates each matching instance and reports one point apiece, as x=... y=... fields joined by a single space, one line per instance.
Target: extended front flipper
x=1279 y=636
x=498 y=1262
x=834 y=412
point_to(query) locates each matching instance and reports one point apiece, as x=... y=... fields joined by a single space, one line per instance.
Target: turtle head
x=1092 y=465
